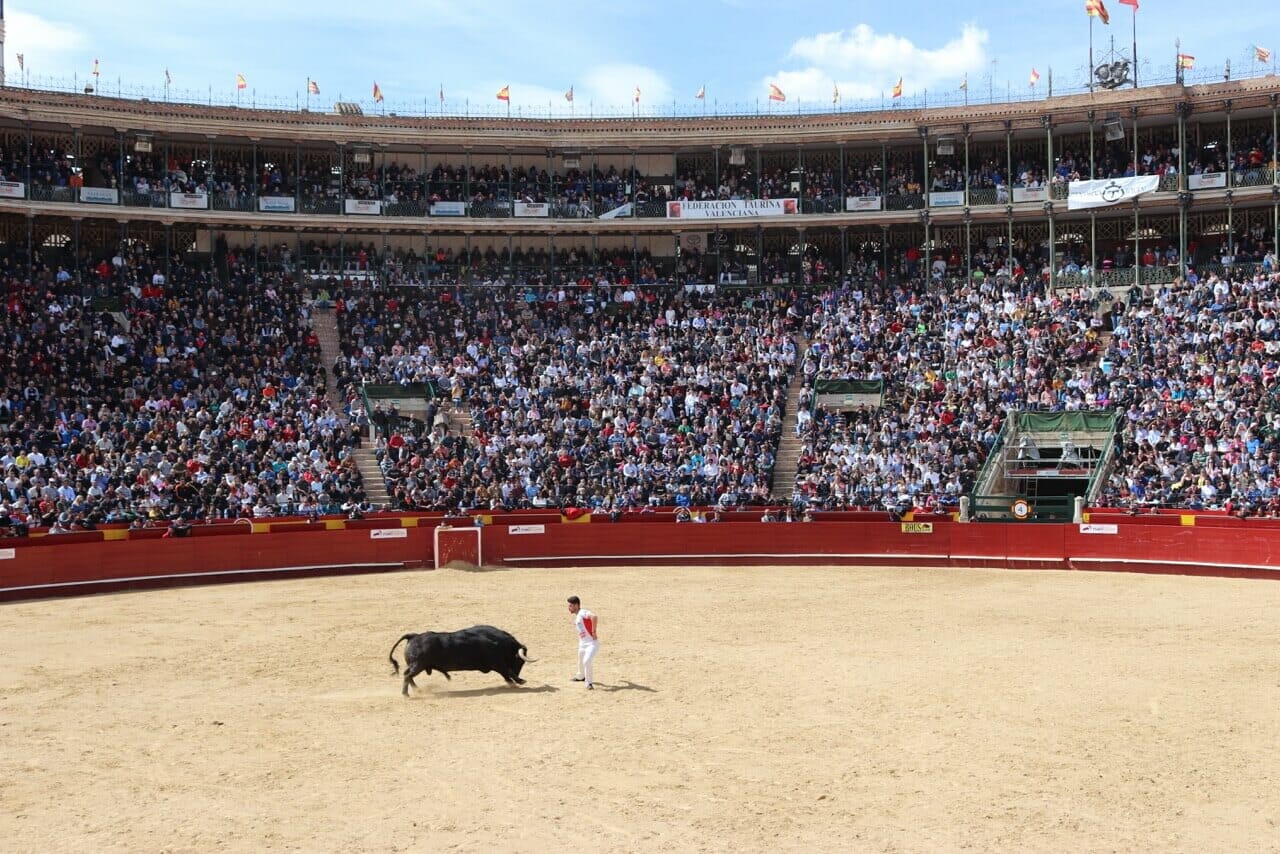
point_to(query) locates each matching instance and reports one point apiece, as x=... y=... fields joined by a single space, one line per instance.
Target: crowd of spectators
x=953 y=360
x=602 y=396
x=179 y=396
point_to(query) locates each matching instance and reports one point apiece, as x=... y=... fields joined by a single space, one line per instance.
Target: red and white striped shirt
x=585 y=621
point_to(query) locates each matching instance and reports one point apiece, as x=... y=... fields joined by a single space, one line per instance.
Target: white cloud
x=865 y=64
x=47 y=46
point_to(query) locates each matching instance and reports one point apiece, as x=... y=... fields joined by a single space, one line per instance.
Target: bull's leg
x=511 y=678
x=446 y=675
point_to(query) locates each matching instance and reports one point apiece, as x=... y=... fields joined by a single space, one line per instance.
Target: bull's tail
x=392 y=655
x=524 y=654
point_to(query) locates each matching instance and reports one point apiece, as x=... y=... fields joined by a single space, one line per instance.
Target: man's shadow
x=626 y=686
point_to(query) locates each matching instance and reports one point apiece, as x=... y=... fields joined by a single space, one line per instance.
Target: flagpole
x=1091 y=53
x=1134 y=10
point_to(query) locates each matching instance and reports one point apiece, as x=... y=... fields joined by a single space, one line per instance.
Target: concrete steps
x=325 y=324
x=784 y=466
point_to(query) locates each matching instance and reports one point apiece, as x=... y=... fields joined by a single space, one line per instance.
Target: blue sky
x=734 y=48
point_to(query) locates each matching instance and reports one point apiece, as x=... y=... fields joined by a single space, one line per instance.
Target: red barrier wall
x=47 y=566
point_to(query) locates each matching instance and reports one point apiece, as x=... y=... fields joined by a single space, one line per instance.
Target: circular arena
x=917 y=457
x=746 y=708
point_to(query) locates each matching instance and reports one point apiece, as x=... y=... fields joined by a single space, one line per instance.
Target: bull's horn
x=520 y=652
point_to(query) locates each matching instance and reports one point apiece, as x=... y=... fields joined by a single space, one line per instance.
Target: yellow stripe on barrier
x=115 y=534
x=1084 y=517
x=1188 y=520
x=261 y=527
x=408 y=521
x=335 y=524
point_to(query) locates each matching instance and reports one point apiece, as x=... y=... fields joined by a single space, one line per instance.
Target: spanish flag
x=95 y=68
x=1035 y=76
x=897 y=88
x=240 y=82
x=1261 y=54
x=1096 y=9
x=776 y=94
x=568 y=96
x=636 y=97
x=377 y=93
x=313 y=88
x=1186 y=60
x=504 y=94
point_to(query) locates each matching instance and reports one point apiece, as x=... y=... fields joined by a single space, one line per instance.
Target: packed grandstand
x=205 y=319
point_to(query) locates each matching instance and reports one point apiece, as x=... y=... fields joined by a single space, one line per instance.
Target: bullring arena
x=920 y=459
x=747 y=708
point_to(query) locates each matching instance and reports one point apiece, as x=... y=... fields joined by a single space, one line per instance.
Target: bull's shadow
x=489 y=692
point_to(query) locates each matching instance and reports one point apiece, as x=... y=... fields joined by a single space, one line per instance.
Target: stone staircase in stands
x=784 y=466
x=325 y=324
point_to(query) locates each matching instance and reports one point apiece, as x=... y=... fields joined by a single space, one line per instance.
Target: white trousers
x=586 y=652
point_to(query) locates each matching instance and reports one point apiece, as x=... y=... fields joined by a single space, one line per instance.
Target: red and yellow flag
x=776 y=94
x=1261 y=54
x=1133 y=3
x=504 y=94
x=1096 y=9
x=897 y=88
x=377 y=93
x=313 y=88
x=241 y=83
x=1186 y=60
x=1035 y=77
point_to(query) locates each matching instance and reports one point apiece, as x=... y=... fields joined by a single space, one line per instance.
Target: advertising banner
x=190 y=201
x=448 y=208
x=1108 y=191
x=1207 y=181
x=949 y=199
x=1030 y=194
x=99 y=195
x=731 y=209
x=533 y=209
x=862 y=203
x=12 y=190
x=275 y=204
x=364 y=207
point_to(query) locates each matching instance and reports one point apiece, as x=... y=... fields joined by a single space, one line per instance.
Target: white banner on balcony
x=448 y=208
x=275 y=204
x=1030 y=194
x=191 y=201
x=533 y=209
x=949 y=199
x=99 y=195
x=365 y=207
x=862 y=203
x=732 y=209
x=1108 y=191
x=1207 y=181
x=12 y=190
x=621 y=210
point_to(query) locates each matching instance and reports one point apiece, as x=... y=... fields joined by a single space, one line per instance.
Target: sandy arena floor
x=752 y=709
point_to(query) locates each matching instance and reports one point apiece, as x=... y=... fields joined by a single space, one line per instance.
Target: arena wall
x=100 y=561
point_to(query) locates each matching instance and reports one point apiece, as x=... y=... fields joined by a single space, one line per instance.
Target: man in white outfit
x=586 y=624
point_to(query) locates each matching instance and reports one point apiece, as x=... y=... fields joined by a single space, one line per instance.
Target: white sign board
x=275 y=204
x=12 y=190
x=1088 y=528
x=862 y=203
x=731 y=208
x=191 y=201
x=950 y=199
x=364 y=207
x=448 y=208
x=1104 y=192
x=8 y=554
x=533 y=209
x=1207 y=181
x=1030 y=194
x=99 y=195
x=389 y=534
x=527 y=529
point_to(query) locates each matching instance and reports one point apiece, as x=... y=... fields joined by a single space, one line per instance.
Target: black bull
x=482 y=648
